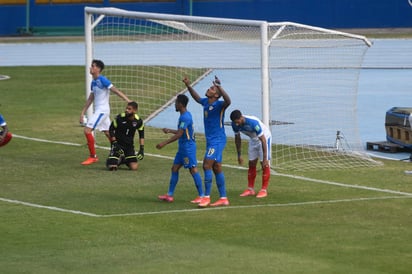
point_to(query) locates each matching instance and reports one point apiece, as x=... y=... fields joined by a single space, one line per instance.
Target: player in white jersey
x=5 y=134
x=99 y=96
x=260 y=139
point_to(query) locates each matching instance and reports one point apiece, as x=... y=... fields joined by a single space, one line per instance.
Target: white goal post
x=300 y=80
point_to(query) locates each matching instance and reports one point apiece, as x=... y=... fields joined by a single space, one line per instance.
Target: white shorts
x=99 y=121
x=255 y=150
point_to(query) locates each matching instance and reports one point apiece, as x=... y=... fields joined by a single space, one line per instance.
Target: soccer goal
x=300 y=80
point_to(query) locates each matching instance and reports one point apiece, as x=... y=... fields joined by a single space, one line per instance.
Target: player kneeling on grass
x=122 y=131
x=186 y=153
x=5 y=135
x=259 y=148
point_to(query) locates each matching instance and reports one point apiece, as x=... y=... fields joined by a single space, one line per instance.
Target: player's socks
x=208 y=181
x=265 y=177
x=220 y=182
x=90 y=144
x=198 y=183
x=251 y=176
x=174 y=178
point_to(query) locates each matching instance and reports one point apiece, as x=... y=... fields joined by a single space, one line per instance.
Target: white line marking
x=49 y=207
x=254 y=206
x=76 y=212
x=344 y=185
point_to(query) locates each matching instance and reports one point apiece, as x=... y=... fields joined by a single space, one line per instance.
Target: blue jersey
x=185 y=123
x=213 y=118
x=186 y=154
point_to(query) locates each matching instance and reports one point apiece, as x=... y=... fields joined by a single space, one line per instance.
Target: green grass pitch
x=60 y=217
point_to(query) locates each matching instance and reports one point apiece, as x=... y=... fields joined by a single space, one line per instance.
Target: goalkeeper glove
x=140 y=154
x=116 y=149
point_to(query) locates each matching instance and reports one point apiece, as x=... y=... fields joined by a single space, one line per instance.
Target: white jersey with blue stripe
x=100 y=87
x=253 y=128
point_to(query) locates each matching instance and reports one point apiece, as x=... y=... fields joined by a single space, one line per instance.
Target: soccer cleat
x=90 y=160
x=197 y=200
x=248 y=192
x=204 y=202
x=221 y=202
x=262 y=193
x=166 y=198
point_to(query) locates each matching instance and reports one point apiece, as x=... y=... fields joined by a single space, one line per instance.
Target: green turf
x=301 y=227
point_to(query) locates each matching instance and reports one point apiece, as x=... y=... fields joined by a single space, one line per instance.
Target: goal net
x=300 y=80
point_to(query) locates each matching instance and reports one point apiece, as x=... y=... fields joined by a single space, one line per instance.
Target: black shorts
x=129 y=154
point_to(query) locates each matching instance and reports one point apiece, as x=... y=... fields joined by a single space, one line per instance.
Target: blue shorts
x=186 y=157
x=215 y=151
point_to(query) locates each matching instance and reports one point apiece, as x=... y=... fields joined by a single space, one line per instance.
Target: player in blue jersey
x=260 y=139
x=186 y=153
x=5 y=134
x=213 y=118
x=99 y=96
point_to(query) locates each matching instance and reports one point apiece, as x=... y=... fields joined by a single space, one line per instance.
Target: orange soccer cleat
x=204 y=202
x=262 y=193
x=221 y=202
x=197 y=200
x=90 y=160
x=248 y=192
x=166 y=198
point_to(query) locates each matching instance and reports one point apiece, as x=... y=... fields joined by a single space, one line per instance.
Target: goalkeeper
x=122 y=131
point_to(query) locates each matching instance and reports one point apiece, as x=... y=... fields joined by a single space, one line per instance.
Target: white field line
x=76 y=212
x=344 y=185
x=49 y=207
x=408 y=195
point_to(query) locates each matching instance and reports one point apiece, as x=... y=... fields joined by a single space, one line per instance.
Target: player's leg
x=6 y=139
x=265 y=169
x=93 y=123
x=115 y=157
x=130 y=157
x=191 y=164
x=220 y=176
x=253 y=155
x=174 y=179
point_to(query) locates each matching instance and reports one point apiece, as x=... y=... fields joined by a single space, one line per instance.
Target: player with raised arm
x=99 y=95
x=186 y=153
x=122 y=131
x=5 y=134
x=260 y=139
x=213 y=118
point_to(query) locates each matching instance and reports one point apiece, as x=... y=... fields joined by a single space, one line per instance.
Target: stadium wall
x=17 y=18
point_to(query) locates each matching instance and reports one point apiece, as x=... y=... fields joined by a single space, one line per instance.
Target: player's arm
x=222 y=92
x=175 y=137
x=238 y=144
x=192 y=92
x=263 y=141
x=169 y=130
x=140 y=154
x=89 y=101
x=119 y=93
x=3 y=132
